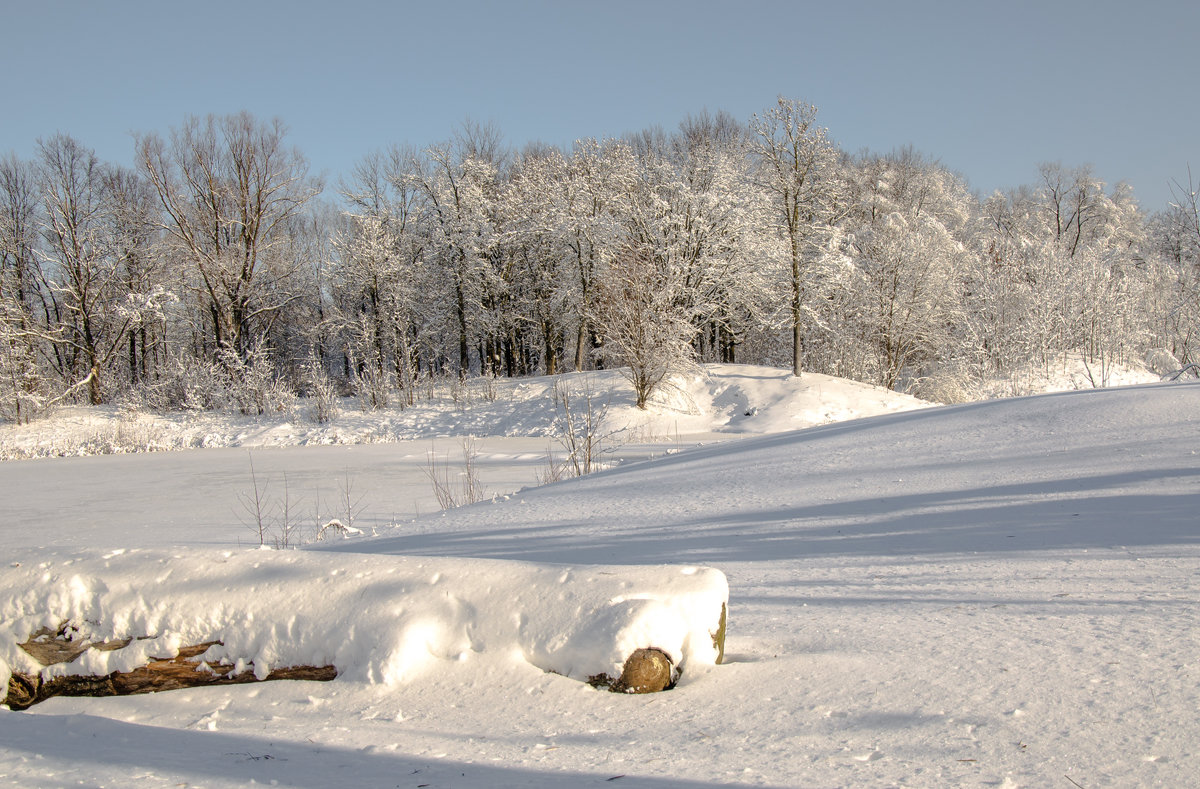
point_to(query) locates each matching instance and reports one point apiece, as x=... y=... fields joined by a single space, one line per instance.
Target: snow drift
x=377 y=619
x=1002 y=475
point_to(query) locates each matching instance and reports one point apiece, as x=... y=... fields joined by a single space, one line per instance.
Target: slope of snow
x=997 y=594
x=1000 y=475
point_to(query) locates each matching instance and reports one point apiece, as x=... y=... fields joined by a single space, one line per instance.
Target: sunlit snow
x=995 y=594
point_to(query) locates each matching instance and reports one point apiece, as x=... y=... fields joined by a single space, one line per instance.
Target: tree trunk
x=464 y=358
x=797 y=346
x=185 y=670
x=797 y=309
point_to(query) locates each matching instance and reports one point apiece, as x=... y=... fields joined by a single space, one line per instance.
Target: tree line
x=217 y=271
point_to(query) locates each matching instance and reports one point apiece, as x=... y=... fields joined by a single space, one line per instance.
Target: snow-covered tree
x=535 y=241
x=759 y=242
x=22 y=304
x=148 y=292
x=641 y=326
x=905 y=244
x=599 y=179
x=375 y=284
x=717 y=211
x=459 y=182
x=383 y=298
x=1175 y=235
x=797 y=171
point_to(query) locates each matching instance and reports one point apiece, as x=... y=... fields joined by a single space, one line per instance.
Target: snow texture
x=377 y=619
x=995 y=594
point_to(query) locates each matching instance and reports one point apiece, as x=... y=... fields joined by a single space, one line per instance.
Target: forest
x=217 y=272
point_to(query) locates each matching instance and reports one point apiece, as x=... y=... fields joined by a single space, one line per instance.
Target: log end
x=22 y=691
x=647 y=670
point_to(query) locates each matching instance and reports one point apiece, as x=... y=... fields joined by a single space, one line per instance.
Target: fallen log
x=184 y=670
x=387 y=619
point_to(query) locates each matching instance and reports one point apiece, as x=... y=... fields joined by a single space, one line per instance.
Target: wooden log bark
x=719 y=636
x=184 y=670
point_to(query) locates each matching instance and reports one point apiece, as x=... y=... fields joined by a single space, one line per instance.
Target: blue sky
x=990 y=90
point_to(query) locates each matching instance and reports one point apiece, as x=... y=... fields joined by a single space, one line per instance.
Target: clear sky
x=989 y=89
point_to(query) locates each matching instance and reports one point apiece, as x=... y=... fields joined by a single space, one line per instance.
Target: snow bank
x=1069 y=373
x=718 y=398
x=721 y=398
x=377 y=619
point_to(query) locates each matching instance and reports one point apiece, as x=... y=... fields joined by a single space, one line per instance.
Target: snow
x=994 y=594
x=715 y=400
x=1072 y=372
x=377 y=619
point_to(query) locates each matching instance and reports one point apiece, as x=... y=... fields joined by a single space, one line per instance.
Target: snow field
x=1000 y=593
x=996 y=594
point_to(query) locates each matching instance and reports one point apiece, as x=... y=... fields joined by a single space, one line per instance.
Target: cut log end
x=647 y=670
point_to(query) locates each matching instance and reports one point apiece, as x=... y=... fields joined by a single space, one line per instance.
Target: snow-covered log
x=148 y=620
x=186 y=669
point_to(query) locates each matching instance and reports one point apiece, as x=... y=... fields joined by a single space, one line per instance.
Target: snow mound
x=765 y=400
x=379 y=620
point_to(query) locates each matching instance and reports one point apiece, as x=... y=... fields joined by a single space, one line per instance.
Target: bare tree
x=1074 y=203
x=229 y=187
x=82 y=269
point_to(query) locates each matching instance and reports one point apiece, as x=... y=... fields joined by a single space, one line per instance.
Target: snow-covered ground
x=1072 y=372
x=995 y=594
x=724 y=398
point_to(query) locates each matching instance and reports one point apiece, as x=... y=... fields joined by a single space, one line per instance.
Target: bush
x=187 y=384
x=321 y=391
x=246 y=382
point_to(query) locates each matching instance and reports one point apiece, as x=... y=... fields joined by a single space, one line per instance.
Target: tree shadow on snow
x=1074 y=513
x=85 y=749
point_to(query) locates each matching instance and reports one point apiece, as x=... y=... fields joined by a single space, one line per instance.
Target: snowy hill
x=1069 y=470
x=995 y=594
